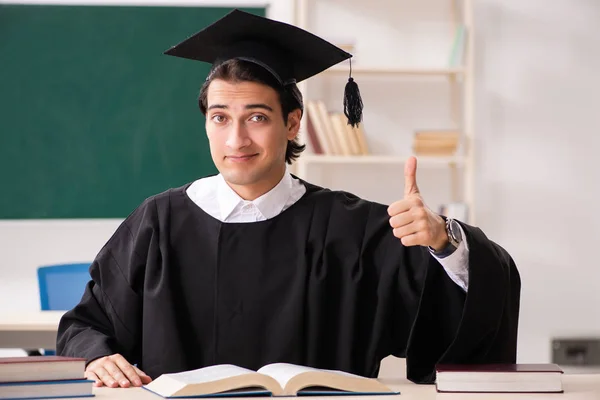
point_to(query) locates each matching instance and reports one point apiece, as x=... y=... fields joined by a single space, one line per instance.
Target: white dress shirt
x=216 y=198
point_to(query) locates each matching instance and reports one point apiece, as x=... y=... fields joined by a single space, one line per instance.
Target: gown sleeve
x=433 y=320
x=107 y=320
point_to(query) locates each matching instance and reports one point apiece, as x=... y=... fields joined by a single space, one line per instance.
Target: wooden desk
x=29 y=330
x=38 y=330
x=577 y=387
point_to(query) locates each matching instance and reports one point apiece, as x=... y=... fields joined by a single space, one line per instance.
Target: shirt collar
x=269 y=204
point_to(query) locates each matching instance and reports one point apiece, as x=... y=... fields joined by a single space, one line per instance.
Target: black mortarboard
x=289 y=53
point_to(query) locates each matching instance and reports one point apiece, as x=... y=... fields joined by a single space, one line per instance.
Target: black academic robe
x=323 y=284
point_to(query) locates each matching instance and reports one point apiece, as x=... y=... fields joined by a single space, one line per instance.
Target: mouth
x=241 y=158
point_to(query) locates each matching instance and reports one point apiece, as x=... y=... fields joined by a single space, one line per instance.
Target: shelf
x=395 y=71
x=456 y=79
x=379 y=160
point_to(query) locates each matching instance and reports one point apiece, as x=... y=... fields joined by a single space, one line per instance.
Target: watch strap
x=450 y=247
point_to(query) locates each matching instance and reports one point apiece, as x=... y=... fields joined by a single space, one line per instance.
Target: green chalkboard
x=93 y=117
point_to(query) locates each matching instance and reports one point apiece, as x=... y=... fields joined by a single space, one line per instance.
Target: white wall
x=537 y=185
x=25 y=245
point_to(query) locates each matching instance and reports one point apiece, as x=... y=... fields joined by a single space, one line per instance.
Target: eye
x=258 y=118
x=218 y=118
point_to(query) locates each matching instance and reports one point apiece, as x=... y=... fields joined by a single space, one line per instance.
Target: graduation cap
x=289 y=53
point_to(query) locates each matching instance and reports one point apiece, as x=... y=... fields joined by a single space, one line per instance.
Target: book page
x=283 y=372
x=209 y=374
x=342 y=373
x=313 y=381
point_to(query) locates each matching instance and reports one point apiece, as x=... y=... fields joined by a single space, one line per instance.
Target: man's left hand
x=413 y=222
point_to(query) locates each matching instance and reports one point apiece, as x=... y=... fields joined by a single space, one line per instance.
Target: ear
x=293 y=123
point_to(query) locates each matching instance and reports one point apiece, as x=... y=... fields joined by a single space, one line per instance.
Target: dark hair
x=290 y=97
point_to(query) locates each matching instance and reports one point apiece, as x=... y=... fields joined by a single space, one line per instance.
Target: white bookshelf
x=377 y=67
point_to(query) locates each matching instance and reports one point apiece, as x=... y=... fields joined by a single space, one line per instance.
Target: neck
x=254 y=191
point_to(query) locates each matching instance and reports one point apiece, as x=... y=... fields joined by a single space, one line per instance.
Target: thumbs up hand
x=412 y=221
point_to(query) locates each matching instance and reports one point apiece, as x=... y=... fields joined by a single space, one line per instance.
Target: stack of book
x=330 y=134
x=436 y=142
x=43 y=377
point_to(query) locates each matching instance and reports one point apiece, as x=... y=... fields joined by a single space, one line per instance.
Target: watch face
x=455 y=231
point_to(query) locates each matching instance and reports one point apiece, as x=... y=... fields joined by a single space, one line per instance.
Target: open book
x=271 y=380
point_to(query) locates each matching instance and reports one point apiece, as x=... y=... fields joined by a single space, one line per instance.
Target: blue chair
x=61 y=288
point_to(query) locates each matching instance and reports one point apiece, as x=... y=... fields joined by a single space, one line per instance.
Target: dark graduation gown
x=323 y=284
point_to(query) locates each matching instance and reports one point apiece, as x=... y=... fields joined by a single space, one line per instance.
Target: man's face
x=247 y=134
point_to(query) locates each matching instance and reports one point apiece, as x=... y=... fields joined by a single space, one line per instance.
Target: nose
x=237 y=137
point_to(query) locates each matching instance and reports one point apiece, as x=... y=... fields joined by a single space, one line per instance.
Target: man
x=254 y=266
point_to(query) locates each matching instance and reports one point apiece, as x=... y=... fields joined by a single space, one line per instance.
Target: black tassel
x=353 y=105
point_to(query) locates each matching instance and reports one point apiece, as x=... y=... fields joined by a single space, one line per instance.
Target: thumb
x=410 y=177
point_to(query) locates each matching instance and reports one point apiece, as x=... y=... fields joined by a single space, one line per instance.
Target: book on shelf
x=361 y=138
x=344 y=138
x=278 y=379
x=499 y=378
x=336 y=146
x=317 y=135
x=329 y=133
x=436 y=142
x=311 y=132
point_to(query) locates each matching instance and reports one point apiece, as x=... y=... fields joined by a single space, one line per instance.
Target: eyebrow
x=247 y=107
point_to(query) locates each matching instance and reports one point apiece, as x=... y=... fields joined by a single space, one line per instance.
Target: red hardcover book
x=500 y=378
x=41 y=368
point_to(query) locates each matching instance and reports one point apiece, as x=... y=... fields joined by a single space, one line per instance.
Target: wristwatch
x=454 y=238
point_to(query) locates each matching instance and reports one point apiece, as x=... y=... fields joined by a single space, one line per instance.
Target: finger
x=128 y=370
x=399 y=207
x=105 y=376
x=406 y=230
x=404 y=205
x=411 y=240
x=93 y=377
x=402 y=219
x=410 y=177
x=117 y=374
x=143 y=376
